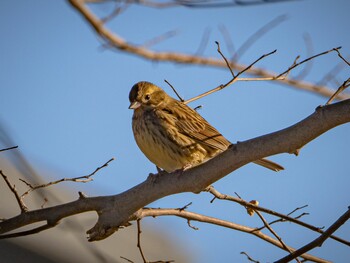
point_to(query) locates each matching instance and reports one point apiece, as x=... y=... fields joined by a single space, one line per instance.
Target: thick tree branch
x=115 y=211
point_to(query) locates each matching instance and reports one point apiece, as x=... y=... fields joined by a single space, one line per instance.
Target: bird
x=171 y=134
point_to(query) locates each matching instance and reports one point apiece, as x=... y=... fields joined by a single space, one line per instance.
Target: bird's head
x=146 y=94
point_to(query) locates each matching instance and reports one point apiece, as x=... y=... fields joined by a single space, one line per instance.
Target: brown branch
x=225 y=59
x=10 y=148
x=121 y=44
x=117 y=210
x=233 y=80
x=139 y=240
x=21 y=204
x=306 y=60
x=246 y=204
x=283 y=220
x=190 y=216
x=140 y=248
x=345 y=85
x=339 y=55
x=175 y=91
x=249 y=258
x=274 y=233
x=80 y=179
x=318 y=241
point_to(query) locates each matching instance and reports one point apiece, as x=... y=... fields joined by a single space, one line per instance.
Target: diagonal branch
x=119 y=43
x=318 y=241
x=117 y=210
x=153 y=212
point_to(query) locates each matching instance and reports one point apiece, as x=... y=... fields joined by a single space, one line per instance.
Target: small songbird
x=172 y=135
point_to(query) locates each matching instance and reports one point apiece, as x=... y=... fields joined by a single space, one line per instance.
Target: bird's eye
x=147 y=97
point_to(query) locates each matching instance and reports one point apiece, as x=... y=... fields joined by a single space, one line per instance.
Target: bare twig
x=10 y=148
x=240 y=201
x=305 y=60
x=318 y=241
x=233 y=80
x=139 y=240
x=274 y=233
x=283 y=220
x=139 y=231
x=21 y=204
x=175 y=91
x=185 y=207
x=345 y=85
x=190 y=216
x=127 y=259
x=80 y=179
x=226 y=61
x=249 y=258
x=266 y=224
x=193 y=227
x=121 y=44
x=339 y=55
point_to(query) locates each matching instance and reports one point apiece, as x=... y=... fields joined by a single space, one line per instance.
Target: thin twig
x=318 y=241
x=233 y=80
x=139 y=240
x=156 y=212
x=274 y=233
x=120 y=43
x=283 y=220
x=126 y=259
x=10 y=148
x=345 y=85
x=218 y=195
x=20 y=202
x=305 y=60
x=339 y=55
x=177 y=94
x=80 y=179
x=267 y=225
x=249 y=258
x=226 y=61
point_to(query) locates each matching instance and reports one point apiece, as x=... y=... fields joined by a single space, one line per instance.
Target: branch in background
x=22 y=206
x=258 y=34
x=318 y=241
x=119 y=43
x=10 y=148
x=190 y=216
x=80 y=179
x=247 y=205
x=345 y=85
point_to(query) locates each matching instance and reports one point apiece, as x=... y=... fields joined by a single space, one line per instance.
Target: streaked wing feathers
x=191 y=124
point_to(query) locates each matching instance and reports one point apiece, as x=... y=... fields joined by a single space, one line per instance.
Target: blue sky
x=64 y=100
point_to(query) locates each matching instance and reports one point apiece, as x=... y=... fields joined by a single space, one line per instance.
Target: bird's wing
x=191 y=124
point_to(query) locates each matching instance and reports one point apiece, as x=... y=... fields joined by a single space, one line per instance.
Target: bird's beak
x=134 y=105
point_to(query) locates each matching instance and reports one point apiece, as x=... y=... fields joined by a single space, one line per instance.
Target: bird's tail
x=269 y=165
